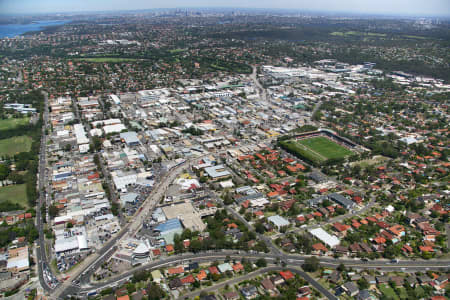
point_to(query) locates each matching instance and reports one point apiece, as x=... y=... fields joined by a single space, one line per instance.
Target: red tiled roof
x=426 y=248
x=238 y=267
x=379 y=240
x=357 y=199
x=201 y=275
x=286 y=275
x=371 y=219
x=356 y=224
x=272 y=194
x=177 y=270
x=320 y=247
x=301 y=219
x=407 y=248
x=188 y=279
x=341 y=227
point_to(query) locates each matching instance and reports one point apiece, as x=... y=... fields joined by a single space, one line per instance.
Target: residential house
x=175 y=283
x=286 y=275
x=277 y=280
x=269 y=286
x=334 y=277
x=249 y=292
x=231 y=295
x=319 y=249
x=304 y=291
x=339 y=249
x=365 y=295
x=350 y=288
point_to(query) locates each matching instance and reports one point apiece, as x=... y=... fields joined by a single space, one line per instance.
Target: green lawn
x=388 y=291
x=106 y=59
x=173 y=51
x=325 y=148
x=403 y=293
x=15 y=194
x=302 y=151
x=357 y=33
x=376 y=160
x=15 y=145
x=12 y=123
x=419 y=292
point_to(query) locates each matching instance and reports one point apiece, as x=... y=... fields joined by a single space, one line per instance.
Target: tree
x=96 y=143
x=195 y=246
x=261 y=263
x=311 y=264
x=131 y=288
x=52 y=211
x=16 y=177
x=363 y=284
x=154 y=292
x=259 y=228
x=115 y=208
x=391 y=251
x=228 y=199
x=4 y=171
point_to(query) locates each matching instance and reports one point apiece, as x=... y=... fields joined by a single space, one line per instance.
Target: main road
x=79 y=282
x=258 y=272
x=261 y=90
x=81 y=273
x=287 y=259
x=42 y=261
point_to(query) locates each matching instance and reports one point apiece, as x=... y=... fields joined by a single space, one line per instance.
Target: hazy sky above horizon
x=392 y=7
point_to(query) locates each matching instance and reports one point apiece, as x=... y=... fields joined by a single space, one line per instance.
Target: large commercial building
x=186 y=213
x=331 y=240
x=217 y=172
x=80 y=134
x=130 y=138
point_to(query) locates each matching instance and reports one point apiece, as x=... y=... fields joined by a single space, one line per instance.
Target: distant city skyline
x=388 y=7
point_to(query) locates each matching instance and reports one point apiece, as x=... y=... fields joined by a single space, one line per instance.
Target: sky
x=391 y=7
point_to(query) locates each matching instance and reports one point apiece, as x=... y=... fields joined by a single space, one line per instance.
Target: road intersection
x=79 y=282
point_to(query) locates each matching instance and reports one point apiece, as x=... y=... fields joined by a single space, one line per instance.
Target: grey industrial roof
x=130 y=137
x=341 y=200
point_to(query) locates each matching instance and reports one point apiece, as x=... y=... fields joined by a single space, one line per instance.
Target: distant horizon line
x=285 y=10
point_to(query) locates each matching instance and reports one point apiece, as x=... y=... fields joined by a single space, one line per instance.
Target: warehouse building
x=130 y=138
x=331 y=240
x=186 y=213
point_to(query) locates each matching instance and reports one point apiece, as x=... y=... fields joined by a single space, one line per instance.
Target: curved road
x=289 y=260
x=82 y=272
x=258 y=272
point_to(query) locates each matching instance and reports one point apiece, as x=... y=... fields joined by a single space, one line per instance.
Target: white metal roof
x=325 y=237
